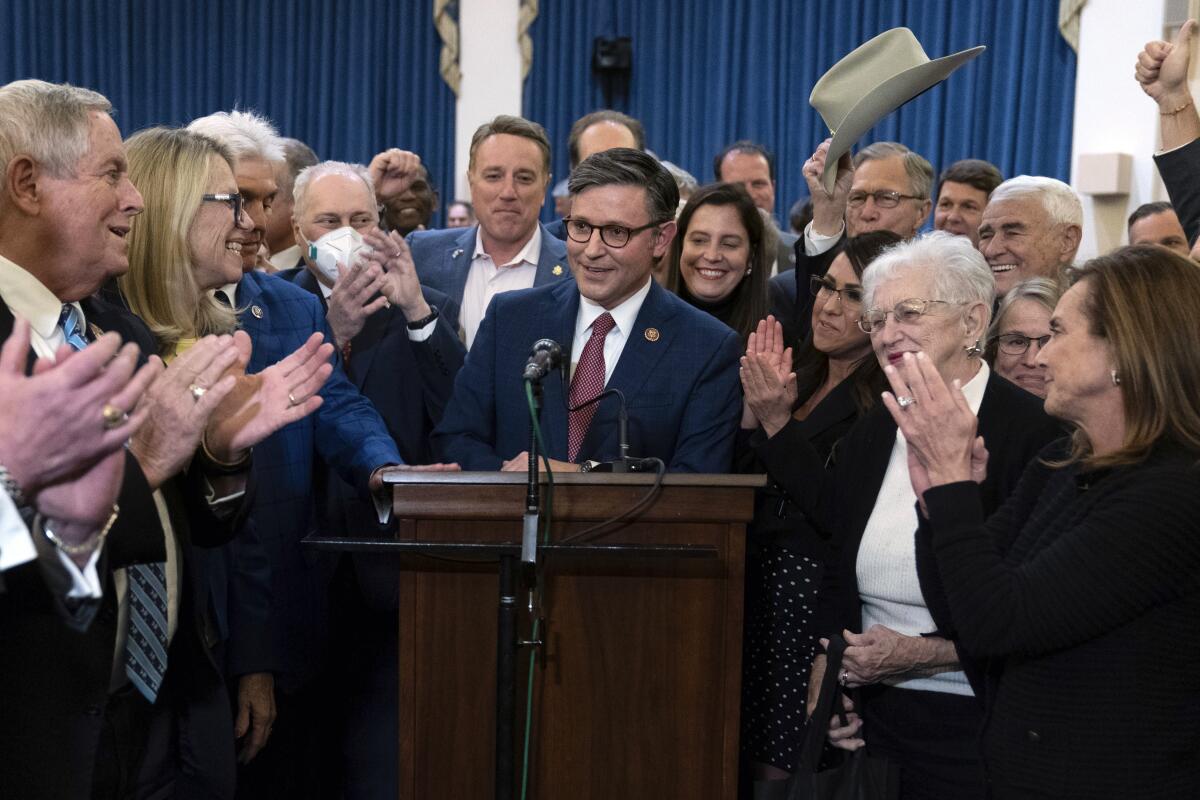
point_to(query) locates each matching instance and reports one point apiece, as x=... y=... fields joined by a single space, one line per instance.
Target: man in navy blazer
x=280 y=674
x=676 y=366
x=508 y=175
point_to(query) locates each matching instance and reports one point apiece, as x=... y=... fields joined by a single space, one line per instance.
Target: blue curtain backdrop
x=707 y=72
x=350 y=77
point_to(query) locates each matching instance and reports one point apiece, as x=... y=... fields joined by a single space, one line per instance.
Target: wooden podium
x=637 y=683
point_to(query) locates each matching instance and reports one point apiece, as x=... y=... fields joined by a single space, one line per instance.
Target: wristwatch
x=417 y=324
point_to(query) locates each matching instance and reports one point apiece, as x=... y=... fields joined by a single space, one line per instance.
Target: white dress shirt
x=487 y=279
x=623 y=315
x=29 y=298
x=286 y=258
x=816 y=243
x=887 y=559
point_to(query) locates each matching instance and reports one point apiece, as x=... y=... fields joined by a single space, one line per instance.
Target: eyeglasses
x=234 y=201
x=1015 y=344
x=611 y=235
x=848 y=294
x=907 y=311
x=883 y=199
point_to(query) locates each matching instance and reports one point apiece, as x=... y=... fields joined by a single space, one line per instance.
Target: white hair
x=244 y=133
x=310 y=174
x=1059 y=200
x=960 y=273
x=49 y=121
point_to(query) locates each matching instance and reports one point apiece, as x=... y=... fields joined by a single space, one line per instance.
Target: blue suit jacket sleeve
x=467 y=433
x=350 y=435
x=710 y=418
x=253 y=645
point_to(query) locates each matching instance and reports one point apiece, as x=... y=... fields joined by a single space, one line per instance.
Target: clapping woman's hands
x=768 y=383
x=937 y=422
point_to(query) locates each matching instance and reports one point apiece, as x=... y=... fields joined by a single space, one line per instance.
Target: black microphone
x=545 y=356
x=623 y=463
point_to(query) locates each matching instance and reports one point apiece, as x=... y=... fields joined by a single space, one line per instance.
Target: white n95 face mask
x=342 y=245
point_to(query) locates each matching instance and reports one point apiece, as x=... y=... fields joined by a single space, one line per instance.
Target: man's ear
x=664 y=236
x=1069 y=238
x=22 y=183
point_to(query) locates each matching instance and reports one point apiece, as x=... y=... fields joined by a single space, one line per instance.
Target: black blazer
x=1180 y=171
x=1082 y=592
x=778 y=517
x=56 y=677
x=841 y=499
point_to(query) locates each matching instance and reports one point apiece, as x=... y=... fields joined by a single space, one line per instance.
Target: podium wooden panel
x=637 y=689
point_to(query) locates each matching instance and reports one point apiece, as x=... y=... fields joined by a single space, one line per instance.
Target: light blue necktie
x=146 y=644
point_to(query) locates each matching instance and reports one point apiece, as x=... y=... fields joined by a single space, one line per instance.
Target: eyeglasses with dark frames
x=883 y=198
x=234 y=201
x=848 y=294
x=1016 y=344
x=611 y=235
x=907 y=311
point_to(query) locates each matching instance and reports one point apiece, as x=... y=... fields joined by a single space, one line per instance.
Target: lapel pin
x=557 y=270
x=256 y=311
x=652 y=334
x=456 y=253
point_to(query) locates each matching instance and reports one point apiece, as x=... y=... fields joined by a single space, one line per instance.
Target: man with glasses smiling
x=887 y=188
x=675 y=365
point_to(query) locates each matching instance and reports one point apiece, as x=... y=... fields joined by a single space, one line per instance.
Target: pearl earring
x=1116 y=379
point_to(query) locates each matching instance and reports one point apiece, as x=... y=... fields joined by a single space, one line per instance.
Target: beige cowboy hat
x=871 y=82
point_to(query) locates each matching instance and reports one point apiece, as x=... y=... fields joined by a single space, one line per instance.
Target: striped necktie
x=146 y=644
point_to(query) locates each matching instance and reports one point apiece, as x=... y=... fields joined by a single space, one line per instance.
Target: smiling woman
x=721 y=257
x=188 y=239
x=1093 y=559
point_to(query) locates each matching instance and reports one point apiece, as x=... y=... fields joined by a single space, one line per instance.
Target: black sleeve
x=1180 y=171
x=1094 y=575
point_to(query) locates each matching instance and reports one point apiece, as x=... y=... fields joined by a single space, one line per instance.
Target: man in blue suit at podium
x=676 y=366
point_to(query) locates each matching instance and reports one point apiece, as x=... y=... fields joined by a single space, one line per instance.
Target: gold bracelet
x=225 y=467
x=1173 y=112
x=88 y=545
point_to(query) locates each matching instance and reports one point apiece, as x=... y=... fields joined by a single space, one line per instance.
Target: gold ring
x=292 y=399
x=197 y=391
x=113 y=416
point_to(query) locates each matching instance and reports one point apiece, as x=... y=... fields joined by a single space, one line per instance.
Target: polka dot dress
x=780 y=642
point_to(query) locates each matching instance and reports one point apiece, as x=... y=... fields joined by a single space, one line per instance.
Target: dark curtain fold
x=349 y=77
x=706 y=72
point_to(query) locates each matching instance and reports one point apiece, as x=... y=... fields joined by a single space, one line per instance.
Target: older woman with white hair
x=931 y=295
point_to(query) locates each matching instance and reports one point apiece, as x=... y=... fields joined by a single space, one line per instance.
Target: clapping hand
x=938 y=425
x=768 y=382
x=399 y=284
x=260 y=404
x=357 y=295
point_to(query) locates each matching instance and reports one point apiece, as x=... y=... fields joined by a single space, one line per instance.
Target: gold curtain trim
x=525 y=17
x=1068 y=21
x=447 y=28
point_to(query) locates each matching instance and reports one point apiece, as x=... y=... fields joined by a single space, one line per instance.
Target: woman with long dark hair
x=836 y=379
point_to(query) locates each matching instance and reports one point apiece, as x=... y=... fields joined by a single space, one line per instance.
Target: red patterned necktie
x=587 y=383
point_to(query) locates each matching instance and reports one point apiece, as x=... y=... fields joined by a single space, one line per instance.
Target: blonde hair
x=171 y=167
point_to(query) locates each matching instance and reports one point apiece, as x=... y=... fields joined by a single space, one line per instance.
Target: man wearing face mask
x=375 y=304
